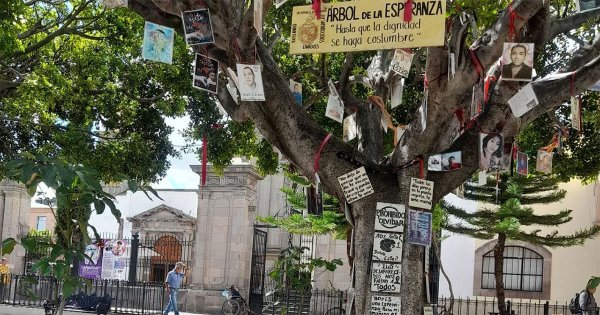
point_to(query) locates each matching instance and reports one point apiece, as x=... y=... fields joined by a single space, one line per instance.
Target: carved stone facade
x=163 y=220
x=14 y=219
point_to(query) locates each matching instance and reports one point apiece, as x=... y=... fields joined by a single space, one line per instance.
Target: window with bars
x=523 y=270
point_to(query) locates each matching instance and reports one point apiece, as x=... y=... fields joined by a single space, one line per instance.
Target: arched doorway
x=169 y=252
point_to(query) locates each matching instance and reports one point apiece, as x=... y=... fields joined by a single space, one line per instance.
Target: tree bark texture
x=298 y=137
x=499 y=272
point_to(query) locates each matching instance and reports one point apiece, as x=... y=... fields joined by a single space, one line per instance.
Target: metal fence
x=489 y=306
x=150 y=259
x=127 y=297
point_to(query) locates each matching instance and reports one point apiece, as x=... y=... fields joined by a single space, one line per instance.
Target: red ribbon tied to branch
x=316 y=5
x=408 y=10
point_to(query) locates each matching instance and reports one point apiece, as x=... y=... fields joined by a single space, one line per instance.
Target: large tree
x=298 y=135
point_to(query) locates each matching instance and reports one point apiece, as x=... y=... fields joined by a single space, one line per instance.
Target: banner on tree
x=367 y=25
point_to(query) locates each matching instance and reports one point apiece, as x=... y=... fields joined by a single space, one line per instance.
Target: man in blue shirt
x=172 y=284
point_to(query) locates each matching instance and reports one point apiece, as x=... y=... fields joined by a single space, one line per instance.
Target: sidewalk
x=21 y=310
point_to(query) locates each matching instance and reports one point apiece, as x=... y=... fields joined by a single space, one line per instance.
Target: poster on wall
x=114 y=258
x=91 y=266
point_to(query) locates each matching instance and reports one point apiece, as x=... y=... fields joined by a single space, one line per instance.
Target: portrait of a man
x=517 y=62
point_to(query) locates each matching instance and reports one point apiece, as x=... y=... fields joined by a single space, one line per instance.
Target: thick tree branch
x=563 y=25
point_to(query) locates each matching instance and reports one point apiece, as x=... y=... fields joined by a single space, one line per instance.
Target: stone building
x=14 y=219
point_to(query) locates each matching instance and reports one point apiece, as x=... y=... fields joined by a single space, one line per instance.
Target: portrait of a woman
x=490 y=151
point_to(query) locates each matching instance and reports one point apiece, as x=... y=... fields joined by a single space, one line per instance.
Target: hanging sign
x=367 y=25
x=386 y=277
x=401 y=62
x=349 y=128
x=523 y=101
x=356 y=184
x=158 y=43
x=387 y=247
x=421 y=193
x=385 y=305
x=389 y=217
x=544 y=162
x=576 y=113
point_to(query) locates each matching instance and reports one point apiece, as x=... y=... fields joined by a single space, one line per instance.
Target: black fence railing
x=127 y=297
x=156 y=256
x=489 y=306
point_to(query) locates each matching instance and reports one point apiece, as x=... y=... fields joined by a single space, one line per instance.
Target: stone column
x=14 y=217
x=223 y=242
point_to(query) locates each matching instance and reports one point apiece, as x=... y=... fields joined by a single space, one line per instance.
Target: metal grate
x=523 y=270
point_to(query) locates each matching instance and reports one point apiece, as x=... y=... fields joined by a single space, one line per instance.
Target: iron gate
x=257 y=272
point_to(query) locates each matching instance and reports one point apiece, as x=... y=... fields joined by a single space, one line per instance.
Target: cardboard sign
x=386 y=277
x=390 y=217
x=367 y=25
x=387 y=247
x=421 y=193
x=419 y=227
x=385 y=305
x=523 y=101
x=356 y=185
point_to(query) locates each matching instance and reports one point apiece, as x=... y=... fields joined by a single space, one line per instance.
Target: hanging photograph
x=451 y=161
x=419 y=227
x=576 y=113
x=250 y=81
x=158 y=43
x=335 y=108
x=349 y=128
x=522 y=160
x=491 y=151
x=517 y=61
x=523 y=101
x=401 y=62
x=296 y=88
x=435 y=163
x=205 y=73
x=583 y=5
x=477 y=100
x=397 y=91
x=197 y=27
x=544 y=162
x=111 y=4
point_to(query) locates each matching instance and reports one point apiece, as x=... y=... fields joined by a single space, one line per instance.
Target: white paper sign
x=523 y=101
x=390 y=217
x=427 y=310
x=387 y=247
x=385 y=305
x=402 y=62
x=386 y=278
x=576 y=113
x=397 y=91
x=356 y=184
x=421 y=193
x=349 y=128
x=250 y=82
x=335 y=108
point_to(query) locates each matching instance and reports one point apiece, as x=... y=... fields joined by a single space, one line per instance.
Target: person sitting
x=234 y=293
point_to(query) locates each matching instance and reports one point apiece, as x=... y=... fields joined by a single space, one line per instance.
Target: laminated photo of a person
x=490 y=152
x=517 y=69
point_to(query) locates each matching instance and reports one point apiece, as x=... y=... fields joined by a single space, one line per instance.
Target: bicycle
x=235 y=304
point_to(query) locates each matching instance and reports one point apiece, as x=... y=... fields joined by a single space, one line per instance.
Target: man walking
x=172 y=284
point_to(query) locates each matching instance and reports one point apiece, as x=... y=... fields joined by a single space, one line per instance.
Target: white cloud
x=180 y=174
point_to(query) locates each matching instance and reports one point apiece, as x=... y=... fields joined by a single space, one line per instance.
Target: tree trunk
x=498 y=272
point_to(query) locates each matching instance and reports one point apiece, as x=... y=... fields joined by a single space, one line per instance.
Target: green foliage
x=329 y=223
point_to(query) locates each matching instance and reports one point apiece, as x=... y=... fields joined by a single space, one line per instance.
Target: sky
x=179 y=175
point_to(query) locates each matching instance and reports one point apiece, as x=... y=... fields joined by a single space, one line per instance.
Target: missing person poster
x=367 y=25
x=91 y=266
x=114 y=259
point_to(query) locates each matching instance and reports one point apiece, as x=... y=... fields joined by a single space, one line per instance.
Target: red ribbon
x=476 y=63
x=486 y=88
x=204 y=158
x=408 y=11
x=512 y=15
x=316 y=5
x=460 y=115
x=318 y=154
x=421 y=168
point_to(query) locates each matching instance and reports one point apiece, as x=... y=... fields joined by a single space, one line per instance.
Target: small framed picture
x=205 y=74
x=335 y=108
x=477 y=100
x=250 y=82
x=584 y=5
x=197 y=27
x=491 y=151
x=158 y=43
x=522 y=160
x=517 y=62
x=296 y=88
x=452 y=161
x=544 y=162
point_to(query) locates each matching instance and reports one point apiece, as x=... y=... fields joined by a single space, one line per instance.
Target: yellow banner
x=367 y=25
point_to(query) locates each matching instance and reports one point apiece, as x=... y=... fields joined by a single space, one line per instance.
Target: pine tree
x=512 y=195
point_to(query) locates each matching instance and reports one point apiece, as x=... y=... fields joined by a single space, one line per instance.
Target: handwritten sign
x=367 y=25
x=386 y=278
x=419 y=227
x=390 y=217
x=421 y=193
x=427 y=310
x=356 y=184
x=385 y=305
x=387 y=247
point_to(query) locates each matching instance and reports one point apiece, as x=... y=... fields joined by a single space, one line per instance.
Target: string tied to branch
x=512 y=17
